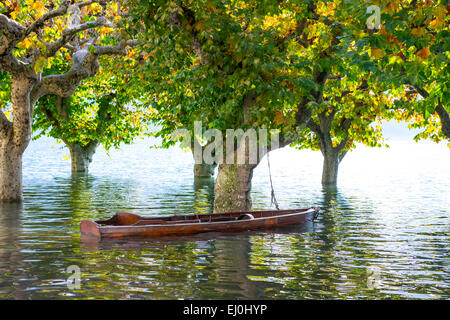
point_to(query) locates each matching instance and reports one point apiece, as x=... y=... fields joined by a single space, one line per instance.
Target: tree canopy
x=47 y=48
x=411 y=54
x=104 y=109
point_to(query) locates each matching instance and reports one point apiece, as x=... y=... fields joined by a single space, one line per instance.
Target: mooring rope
x=273 y=199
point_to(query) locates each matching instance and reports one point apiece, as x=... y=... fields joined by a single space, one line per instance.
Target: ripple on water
x=384 y=233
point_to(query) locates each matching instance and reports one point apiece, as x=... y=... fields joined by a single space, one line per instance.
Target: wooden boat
x=124 y=224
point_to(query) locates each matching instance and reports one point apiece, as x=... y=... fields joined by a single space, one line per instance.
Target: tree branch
x=445 y=119
x=68 y=33
x=84 y=65
x=38 y=23
x=440 y=110
x=10 y=34
x=62 y=10
x=5 y=125
x=313 y=126
x=119 y=49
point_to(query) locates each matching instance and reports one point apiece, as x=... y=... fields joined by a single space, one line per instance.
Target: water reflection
x=204 y=194
x=12 y=263
x=368 y=241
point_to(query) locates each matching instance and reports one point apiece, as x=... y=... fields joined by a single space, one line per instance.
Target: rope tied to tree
x=273 y=199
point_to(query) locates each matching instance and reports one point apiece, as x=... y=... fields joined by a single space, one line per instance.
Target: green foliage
x=205 y=58
x=5 y=93
x=411 y=54
x=103 y=109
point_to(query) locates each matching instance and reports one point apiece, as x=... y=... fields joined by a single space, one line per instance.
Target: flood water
x=382 y=234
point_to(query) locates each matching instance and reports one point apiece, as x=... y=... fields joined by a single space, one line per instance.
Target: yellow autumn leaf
x=417 y=32
x=377 y=53
x=440 y=12
x=40 y=64
x=279 y=118
x=436 y=23
x=14 y=14
x=115 y=6
x=105 y=30
x=392 y=7
x=27 y=43
x=423 y=53
x=95 y=7
x=37 y=6
x=8 y=114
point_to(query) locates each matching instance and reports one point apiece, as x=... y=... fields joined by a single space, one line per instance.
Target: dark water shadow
x=10 y=228
x=223 y=259
x=204 y=194
x=11 y=258
x=86 y=196
x=95 y=243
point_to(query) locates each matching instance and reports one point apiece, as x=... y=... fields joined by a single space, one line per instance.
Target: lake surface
x=383 y=233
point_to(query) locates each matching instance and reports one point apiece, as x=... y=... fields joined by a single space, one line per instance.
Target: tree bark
x=445 y=119
x=332 y=155
x=232 y=188
x=202 y=170
x=10 y=174
x=330 y=167
x=81 y=156
x=14 y=138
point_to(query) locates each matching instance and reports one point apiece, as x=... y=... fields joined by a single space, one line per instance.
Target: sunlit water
x=384 y=233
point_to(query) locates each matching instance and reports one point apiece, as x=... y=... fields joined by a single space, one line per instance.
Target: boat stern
x=89 y=228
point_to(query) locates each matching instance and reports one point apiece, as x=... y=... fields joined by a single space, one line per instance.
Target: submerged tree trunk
x=330 y=167
x=202 y=170
x=332 y=155
x=81 y=157
x=232 y=188
x=234 y=178
x=10 y=175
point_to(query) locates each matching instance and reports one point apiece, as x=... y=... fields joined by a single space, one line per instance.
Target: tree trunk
x=81 y=157
x=232 y=188
x=332 y=155
x=234 y=180
x=14 y=138
x=330 y=167
x=445 y=119
x=202 y=170
x=10 y=175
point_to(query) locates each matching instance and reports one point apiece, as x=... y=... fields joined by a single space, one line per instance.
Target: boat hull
x=193 y=224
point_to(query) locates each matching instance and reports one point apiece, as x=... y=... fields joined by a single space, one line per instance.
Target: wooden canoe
x=124 y=224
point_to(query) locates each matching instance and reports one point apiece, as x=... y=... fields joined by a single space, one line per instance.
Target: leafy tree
x=103 y=110
x=241 y=64
x=352 y=108
x=34 y=35
x=411 y=52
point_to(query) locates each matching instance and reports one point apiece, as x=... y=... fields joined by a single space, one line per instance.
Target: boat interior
x=130 y=219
